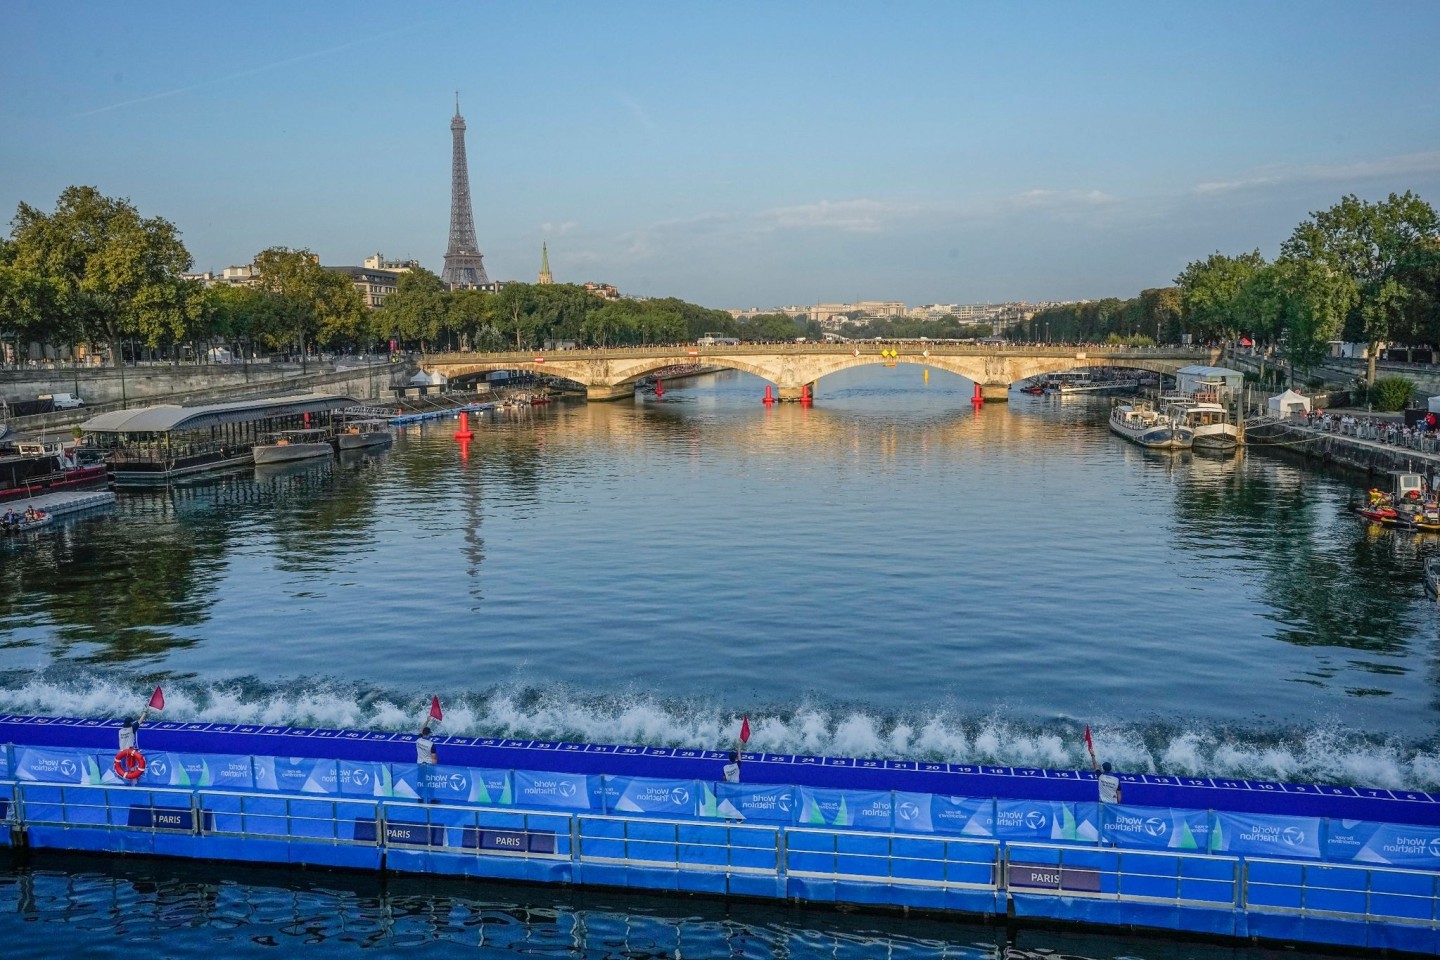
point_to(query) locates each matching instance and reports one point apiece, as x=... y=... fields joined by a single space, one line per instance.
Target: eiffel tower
x=464 y=264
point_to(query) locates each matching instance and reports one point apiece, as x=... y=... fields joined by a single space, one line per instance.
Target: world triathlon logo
x=458 y=783
x=1434 y=847
x=908 y=810
x=360 y=777
x=679 y=796
x=159 y=768
x=1293 y=836
x=566 y=789
x=68 y=768
x=1036 y=820
x=783 y=802
x=1156 y=826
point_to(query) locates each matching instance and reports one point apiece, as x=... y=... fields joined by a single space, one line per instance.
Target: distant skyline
x=736 y=155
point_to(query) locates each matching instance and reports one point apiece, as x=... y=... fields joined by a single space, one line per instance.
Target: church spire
x=545 y=276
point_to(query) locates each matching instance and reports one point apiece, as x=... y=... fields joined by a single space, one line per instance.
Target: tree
x=1368 y=242
x=1209 y=289
x=613 y=322
x=419 y=309
x=1314 y=299
x=312 y=304
x=113 y=273
x=515 y=310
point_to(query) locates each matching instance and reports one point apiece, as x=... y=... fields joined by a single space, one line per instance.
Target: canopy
x=1433 y=405
x=1289 y=402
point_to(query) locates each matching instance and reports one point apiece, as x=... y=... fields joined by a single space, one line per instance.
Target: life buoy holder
x=129 y=764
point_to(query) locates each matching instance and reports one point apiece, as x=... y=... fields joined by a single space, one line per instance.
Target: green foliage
x=1209 y=290
x=1391 y=393
x=96 y=270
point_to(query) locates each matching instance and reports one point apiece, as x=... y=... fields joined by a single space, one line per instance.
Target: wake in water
x=1333 y=754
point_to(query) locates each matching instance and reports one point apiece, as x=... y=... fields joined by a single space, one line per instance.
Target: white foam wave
x=1327 y=754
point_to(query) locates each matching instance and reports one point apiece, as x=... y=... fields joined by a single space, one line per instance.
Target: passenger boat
x=1209 y=424
x=1035 y=386
x=158 y=445
x=357 y=434
x=1143 y=425
x=1432 y=576
x=288 y=445
x=32 y=468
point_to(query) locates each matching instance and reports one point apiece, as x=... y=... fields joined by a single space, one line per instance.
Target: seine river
x=887 y=573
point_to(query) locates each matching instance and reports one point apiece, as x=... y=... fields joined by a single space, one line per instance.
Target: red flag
x=745 y=729
x=435 y=713
x=157 y=699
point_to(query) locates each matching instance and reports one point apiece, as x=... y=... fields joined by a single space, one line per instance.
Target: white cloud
x=559 y=229
x=1401 y=165
x=862 y=216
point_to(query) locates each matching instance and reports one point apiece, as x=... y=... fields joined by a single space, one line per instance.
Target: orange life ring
x=129 y=764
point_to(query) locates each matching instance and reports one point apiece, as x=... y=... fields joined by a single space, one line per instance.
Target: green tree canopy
x=1209 y=290
x=112 y=272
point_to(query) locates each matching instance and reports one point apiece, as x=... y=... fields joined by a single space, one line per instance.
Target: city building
x=378 y=262
x=374 y=285
x=603 y=290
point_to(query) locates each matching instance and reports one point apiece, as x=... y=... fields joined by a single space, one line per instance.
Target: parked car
x=63 y=401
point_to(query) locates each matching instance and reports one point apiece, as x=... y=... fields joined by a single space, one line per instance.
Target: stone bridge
x=609 y=373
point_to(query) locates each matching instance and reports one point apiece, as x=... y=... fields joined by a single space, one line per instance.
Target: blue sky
x=735 y=154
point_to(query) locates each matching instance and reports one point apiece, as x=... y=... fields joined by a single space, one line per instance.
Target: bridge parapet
x=609 y=372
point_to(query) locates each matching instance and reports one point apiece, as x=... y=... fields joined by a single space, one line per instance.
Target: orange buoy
x=129 y=764
x=464 y=432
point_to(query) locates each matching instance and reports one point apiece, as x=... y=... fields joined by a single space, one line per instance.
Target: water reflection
x=90 y=907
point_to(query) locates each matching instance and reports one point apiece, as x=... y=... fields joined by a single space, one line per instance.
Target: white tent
x=423 y=379
x=1433 y=405
x=1288 y=402
x=220 y=355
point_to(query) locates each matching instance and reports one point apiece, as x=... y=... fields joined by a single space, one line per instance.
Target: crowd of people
x=1422 y=435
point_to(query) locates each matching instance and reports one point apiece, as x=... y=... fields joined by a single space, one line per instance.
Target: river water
x=888 y=573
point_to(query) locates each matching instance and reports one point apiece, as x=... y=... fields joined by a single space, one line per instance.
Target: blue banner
x=932 y=813
x=1154 y=828
x=665 y=798
x=1046 y=820
x=557 y=791
x=296 y=775
x=760 y=803
x=57 y=766
x=366 y=779
x=1395 y=844
x=198 y=770
x=447 y=784
x=865 y=809
x=1265 y=835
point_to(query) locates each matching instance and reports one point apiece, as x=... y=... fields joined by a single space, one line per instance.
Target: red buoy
x=805 y=397
x=978 y=400
x=769 y=397
x=464 y=432
x=659 y=388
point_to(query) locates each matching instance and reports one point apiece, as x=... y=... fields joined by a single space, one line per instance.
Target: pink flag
x=157 y=699
x=435 y=713
x=745 y=729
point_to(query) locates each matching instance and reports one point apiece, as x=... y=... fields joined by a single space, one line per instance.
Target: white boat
x=357 y=434
x=1432 y=576
x=1209 y=424
x=1143 y=425
x=288 y=445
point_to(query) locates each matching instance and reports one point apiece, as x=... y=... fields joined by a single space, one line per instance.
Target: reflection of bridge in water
x=610 y=373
